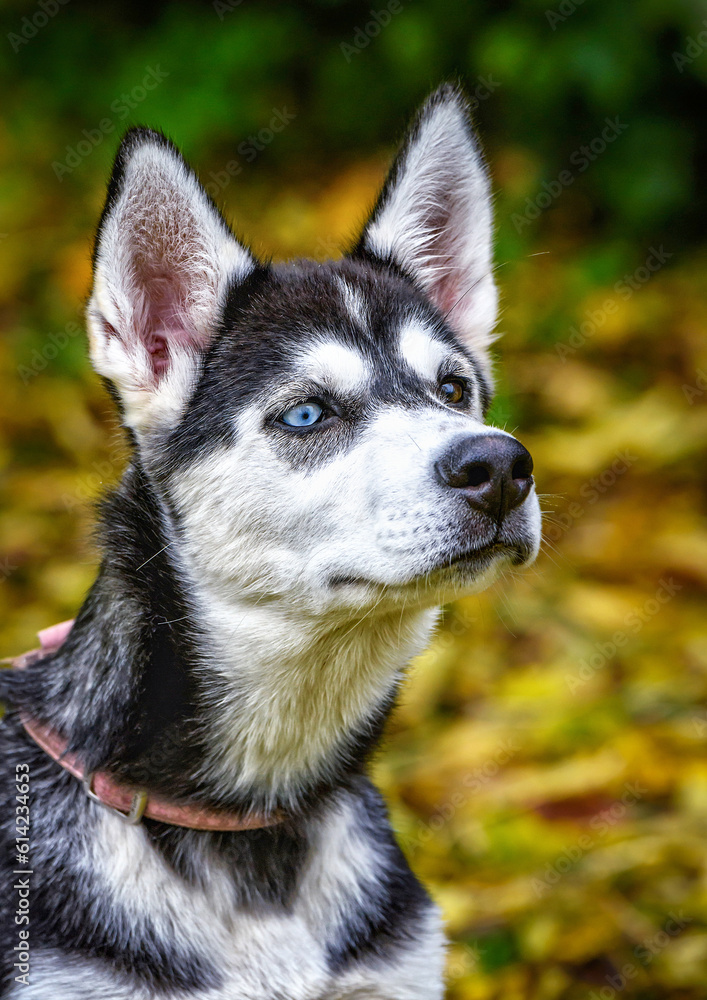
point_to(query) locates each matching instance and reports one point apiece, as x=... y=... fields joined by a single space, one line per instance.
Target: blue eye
x=303 y=415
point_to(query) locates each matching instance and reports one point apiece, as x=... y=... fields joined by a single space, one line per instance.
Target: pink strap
x=110 y=792
x=51 y=638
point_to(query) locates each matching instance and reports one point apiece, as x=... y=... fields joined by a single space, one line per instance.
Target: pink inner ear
x=156 y=344
x=442 y=255
x=446 y=286
x=445 y=292
x=165 y=323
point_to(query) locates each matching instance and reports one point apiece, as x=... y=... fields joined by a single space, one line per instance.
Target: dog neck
x=212 y=700
x=294 y=699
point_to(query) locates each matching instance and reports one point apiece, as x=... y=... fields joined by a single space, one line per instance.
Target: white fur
x=341 y=369
x=342 y=861
x=422 y=351
x=354 y=302
x=436 y=222
x=54 y=977
x=260 y=953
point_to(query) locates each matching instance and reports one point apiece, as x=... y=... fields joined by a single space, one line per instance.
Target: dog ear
x=433 y=217
x=163 y=260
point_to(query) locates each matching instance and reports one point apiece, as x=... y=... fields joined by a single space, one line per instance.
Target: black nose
x=494 y=471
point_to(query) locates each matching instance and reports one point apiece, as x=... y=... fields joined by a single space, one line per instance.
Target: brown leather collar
x=130 y=804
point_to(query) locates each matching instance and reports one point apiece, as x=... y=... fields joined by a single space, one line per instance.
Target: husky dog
x=311 y=478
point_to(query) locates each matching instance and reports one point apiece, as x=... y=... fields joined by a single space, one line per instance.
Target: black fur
x=394 y=904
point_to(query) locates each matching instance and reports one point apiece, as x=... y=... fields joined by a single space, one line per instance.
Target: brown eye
x=452 y=391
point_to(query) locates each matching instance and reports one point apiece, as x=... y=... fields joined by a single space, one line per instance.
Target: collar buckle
x=137 y=807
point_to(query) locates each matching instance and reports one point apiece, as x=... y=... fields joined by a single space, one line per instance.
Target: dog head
x=317 y=430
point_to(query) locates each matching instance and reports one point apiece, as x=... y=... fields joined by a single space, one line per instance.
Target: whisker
x=471 y=287
x=153 y=556
x=363 y=618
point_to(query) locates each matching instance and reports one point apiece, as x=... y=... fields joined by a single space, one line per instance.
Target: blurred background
x=547 y=769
